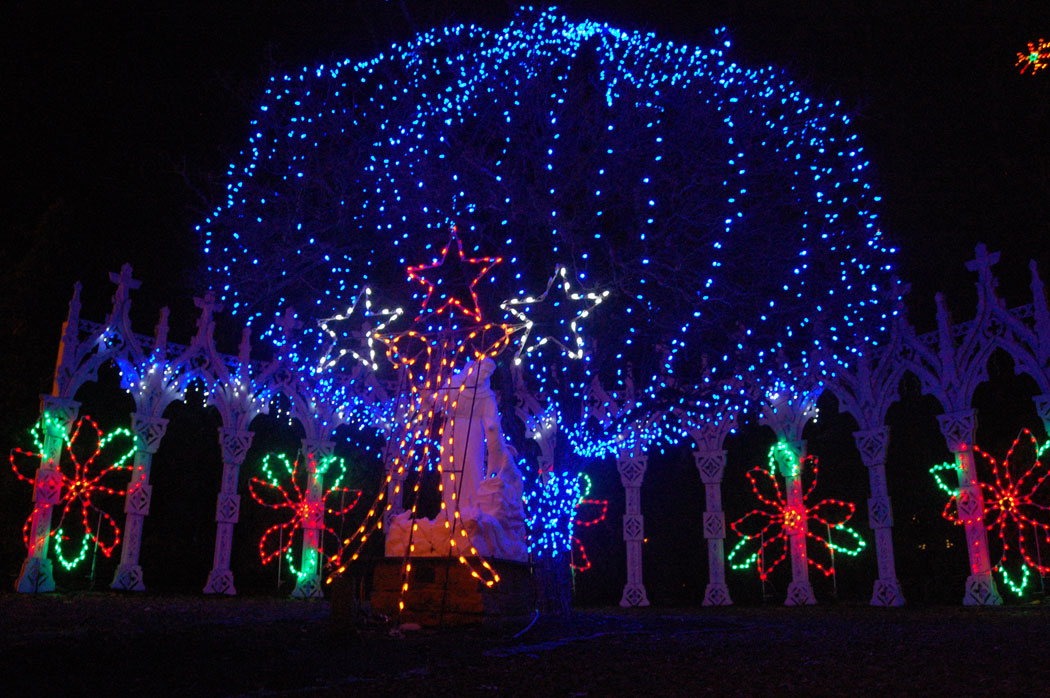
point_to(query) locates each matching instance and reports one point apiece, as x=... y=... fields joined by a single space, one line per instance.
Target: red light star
x=455 y=273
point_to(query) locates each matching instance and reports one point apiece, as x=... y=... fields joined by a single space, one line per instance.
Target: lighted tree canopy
x=728 y=214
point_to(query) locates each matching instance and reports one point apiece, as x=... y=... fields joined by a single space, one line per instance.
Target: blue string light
x=728 y=215
x=550 y=513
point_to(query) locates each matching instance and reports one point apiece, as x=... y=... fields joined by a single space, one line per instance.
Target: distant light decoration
x=361 y=338
x=1037 y=57
x=553 y=511
x=651 y=170
x=81 y=479
x=280 y=489
x=1017 y=508
x=764 y=531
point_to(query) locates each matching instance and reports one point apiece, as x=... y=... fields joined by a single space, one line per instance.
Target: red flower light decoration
x=71 y=489
x=766 y=530
x=305 y=514
x=1012 y=505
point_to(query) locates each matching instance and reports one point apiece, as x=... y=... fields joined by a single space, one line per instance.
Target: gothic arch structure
x=950 y=363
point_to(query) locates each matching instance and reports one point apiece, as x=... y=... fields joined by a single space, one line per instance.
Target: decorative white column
x=309 y=585
x=800 y=592
x=1042 y=407
x=959 y=429
x=148 y=433
x=711 y=465
x=786 y=411
x=632 y=471
x=235 y=445
x=57 y=416
x=872 y=445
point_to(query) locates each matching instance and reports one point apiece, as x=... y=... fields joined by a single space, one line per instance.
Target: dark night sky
x=121 y=117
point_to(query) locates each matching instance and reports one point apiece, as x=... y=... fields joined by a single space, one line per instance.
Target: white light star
x=361 y=338
x=576 y=305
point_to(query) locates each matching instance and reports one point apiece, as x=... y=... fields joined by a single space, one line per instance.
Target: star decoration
x=446 y=278
x=360 y=342
x=551 y=312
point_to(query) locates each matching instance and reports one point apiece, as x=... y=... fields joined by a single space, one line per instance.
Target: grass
x=154 y=645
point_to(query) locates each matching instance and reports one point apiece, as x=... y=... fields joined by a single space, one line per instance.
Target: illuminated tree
x=728 y=214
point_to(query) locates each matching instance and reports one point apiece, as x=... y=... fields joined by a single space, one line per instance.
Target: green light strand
x=37 y=432
x=291 y=565
x=270 y=476
x=857 y=540
x=784 y=451
x=736 y=551
x=67 y=563
x=1018 y=588
x=585 y=488
x=936 y=472
x=326 y=464
x=107 y=438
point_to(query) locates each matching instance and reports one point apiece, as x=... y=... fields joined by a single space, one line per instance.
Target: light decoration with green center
x=1037 y=57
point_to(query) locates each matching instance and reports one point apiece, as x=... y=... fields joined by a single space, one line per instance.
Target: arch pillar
x=308 y=585
x=235 y=445
x=873 y=445
x=959 y=429
x=711 y=464
x=148 y=433
x=632 y=471
x=57 y=416
x=800 y=591
x=1042 y=407
x=787 y=411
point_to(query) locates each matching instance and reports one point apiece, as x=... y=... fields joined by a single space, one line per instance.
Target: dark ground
x=108 y=644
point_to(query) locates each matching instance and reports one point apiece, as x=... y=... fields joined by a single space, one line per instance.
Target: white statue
x=479 y=477
x=471 y=421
